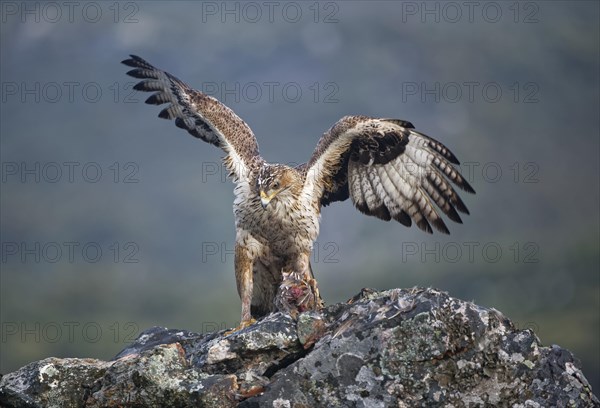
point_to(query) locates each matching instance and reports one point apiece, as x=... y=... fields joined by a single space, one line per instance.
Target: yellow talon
x=242 y=325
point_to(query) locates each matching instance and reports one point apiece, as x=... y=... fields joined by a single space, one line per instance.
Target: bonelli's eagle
x=388 y=170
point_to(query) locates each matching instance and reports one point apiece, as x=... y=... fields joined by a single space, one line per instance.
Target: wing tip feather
x=403 y=218
x=467 y=187
x=380 y=212
x=140 y=86
x=155 y=99
x=424 y=226
x=440 y=226
x=164 y=114
x=180 y=123
x=453 y=215
x=134 y=61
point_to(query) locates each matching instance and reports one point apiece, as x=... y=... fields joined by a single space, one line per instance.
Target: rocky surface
x=400 y=348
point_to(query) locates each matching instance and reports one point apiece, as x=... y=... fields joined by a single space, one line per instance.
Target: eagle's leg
x=312 y=299
x=312 y=282
x=243 y=279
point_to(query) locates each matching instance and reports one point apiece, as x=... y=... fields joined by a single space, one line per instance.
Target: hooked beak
x=265 y=199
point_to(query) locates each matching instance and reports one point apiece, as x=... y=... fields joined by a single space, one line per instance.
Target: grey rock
x=396 y=348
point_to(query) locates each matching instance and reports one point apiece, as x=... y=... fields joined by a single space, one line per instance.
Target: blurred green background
x=114 y=221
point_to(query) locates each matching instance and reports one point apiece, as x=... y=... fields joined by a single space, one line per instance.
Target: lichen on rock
x=401 y=348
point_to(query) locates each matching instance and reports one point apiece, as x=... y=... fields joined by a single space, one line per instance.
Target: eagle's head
x=277 y=182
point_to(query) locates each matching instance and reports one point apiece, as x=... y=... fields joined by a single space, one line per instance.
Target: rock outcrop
x=397 y=348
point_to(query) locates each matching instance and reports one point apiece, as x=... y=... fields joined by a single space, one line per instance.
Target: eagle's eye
x=276 y=185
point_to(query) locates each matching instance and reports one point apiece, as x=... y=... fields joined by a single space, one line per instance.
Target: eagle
x=384 y=166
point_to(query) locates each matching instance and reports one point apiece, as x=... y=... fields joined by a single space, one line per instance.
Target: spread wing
x=389 y=170
x=201 y=115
